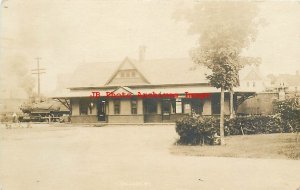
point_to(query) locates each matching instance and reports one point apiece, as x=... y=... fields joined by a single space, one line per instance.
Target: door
x=166 y=109
x=101 y=110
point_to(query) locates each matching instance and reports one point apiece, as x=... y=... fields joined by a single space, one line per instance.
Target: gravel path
x=126 y=157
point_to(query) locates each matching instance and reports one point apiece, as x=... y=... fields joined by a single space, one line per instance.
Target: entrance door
x=101 y=110
x=166 y=109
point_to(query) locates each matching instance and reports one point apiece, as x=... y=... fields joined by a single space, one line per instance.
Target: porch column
x=231 y=93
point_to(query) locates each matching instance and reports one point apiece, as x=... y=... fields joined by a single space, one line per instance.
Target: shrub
x=289 y=111
x=203 y=130
x=197 y=130
x=254 y=124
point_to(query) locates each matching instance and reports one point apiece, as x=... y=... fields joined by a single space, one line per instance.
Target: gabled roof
x=128 y=61
x=287 y=79
x=253 y=74
x=159 y=71
x=92 y=74
x=172 y=71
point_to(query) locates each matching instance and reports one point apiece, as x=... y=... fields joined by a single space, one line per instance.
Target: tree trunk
x=231 y=104
x=222 y=118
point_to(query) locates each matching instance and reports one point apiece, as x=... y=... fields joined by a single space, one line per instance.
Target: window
x=178 y=106
x=122 y=74
x=215 y=104
x=83 y=107
x=133 y=106
x=166 y=106
x=253 y=84
x=127 y=74
x=150 y=106
x=248 y=84
x=117 y=107
x=197 y=106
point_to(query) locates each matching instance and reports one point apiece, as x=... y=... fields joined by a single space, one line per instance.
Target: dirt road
x=125 y=157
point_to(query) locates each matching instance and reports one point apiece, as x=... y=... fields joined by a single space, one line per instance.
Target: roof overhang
x=135 y=91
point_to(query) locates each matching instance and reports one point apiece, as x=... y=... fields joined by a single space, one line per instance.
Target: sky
x=66 y=33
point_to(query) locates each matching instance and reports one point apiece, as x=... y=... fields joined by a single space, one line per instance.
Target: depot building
x=178 y=89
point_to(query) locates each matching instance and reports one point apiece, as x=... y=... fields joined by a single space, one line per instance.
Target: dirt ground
x=126 y=157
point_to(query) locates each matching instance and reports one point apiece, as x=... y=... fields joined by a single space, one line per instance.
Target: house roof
x=159 y=71
x=172 y=71
x=253 y=75
x=161 y=75
x=287 y=79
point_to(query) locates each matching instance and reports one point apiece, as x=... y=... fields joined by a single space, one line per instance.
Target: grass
x=274 y=146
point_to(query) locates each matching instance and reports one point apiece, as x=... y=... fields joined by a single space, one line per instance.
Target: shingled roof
x=159 y=71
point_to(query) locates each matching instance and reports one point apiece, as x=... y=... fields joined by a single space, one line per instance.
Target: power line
x=38 y=71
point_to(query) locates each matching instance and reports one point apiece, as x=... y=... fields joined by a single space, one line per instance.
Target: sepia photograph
x=149 y=95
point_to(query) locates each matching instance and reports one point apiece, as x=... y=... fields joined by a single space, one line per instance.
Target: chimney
x=142 y=53
x=297 y=72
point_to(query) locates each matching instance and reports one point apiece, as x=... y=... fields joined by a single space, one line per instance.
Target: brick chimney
x=142 y=53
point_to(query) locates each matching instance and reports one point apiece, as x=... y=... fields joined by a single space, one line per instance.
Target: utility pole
x=38 y=71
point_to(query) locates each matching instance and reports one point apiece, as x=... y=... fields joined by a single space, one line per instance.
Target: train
x=46 y=111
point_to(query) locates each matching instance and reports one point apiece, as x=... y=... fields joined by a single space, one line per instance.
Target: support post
x=222 y=135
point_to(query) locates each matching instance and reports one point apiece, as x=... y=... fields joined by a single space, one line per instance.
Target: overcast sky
x=65 y=33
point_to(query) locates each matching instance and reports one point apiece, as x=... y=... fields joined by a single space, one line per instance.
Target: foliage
x=203 y=130
x=254 y=124
x=225 y=29
x=197 y=130
x=289 y=111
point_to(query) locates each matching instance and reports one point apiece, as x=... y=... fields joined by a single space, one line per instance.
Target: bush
x=254 y=125
x=203 y=130
x=197 y=130
x=289 y=111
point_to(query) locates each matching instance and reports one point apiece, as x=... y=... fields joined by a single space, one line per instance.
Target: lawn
x=274 y=146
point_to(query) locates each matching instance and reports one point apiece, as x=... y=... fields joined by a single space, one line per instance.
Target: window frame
x=134 y=106
x=117 y=107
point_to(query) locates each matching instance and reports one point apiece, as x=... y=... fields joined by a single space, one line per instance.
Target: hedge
x=197 y=130
x=289 y=112
x=254 y=125
x=203 y=130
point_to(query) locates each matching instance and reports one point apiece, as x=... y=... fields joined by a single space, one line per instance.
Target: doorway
x=101 y=110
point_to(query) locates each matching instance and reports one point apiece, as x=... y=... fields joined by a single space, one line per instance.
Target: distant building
x=269 y=90
x=251 y=78
x=290 y=83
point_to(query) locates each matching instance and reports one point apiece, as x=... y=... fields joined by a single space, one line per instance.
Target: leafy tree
x=225 y=29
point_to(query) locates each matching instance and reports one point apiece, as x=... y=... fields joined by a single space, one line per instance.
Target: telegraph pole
x=38 y=71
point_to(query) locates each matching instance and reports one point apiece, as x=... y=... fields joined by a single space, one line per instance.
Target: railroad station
x=134 y=78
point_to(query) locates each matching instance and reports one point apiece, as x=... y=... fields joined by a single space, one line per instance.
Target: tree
x=225 y=29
